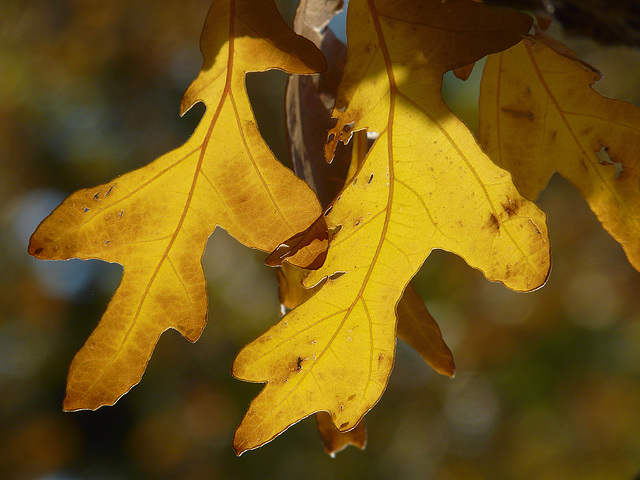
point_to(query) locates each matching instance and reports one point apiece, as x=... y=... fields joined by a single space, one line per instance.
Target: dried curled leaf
x=156 y=220
x=309 y=101
x=425 y=184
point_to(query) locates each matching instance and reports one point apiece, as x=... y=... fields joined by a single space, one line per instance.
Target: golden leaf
x=539 y=114
x=425 y=184
x=155 y=221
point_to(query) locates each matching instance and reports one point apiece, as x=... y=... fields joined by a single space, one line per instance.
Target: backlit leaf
x=156 y=220
x=309 y=102
x=539 y=114
x=425 y=184
x=291 y=294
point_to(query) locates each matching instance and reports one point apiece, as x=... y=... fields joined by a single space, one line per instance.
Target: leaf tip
x=448 y=369
x=46 y=249
x=238 y=449
x=37 y=245
x=187 y=102
x=35 y=249
x=241 y=442
x=73 y=403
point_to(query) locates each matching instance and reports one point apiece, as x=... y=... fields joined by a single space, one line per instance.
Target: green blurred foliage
x=548 y=383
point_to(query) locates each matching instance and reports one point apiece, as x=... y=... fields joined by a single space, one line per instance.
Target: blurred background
x=547 y=384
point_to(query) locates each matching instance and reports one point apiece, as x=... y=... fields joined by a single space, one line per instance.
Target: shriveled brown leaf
x=309 y=101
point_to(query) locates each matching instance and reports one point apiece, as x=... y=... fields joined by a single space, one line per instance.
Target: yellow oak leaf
x=539 y=114
x=424 y=184
x=291 y=294
x=155 y=221
x=416 y=326
x=309 y=102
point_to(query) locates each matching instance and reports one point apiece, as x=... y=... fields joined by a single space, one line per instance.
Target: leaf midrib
x=359 y=295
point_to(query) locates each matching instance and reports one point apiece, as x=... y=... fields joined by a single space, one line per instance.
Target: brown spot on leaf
x=508 y=273
x=518 y=113
x=493 y=223
x=583 y=165
x=511 y=207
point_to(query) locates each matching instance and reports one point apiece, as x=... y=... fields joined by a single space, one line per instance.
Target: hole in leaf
x=336 y=275
x=333 y=231
x=347 y=127
x=605 y=159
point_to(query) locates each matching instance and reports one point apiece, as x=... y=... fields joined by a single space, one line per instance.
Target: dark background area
x=548 y=383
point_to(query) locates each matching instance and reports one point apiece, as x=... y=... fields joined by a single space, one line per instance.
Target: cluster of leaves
x=347 y=259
